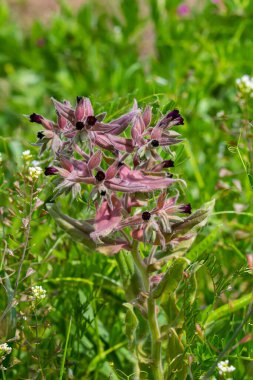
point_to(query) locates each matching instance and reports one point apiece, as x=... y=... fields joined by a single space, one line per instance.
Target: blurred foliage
x=149 y=52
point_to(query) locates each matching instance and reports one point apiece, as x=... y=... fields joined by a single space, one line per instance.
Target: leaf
x=226 y=310
x=168 y=303
x=79 y=230
x=207 y=242
x=131 y=324
x=171 y=279
x=177 y=364
x=250 y=177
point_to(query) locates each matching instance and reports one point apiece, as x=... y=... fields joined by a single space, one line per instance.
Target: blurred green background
x=157 y=52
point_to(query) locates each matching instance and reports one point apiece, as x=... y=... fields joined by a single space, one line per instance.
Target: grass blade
x=65 y=350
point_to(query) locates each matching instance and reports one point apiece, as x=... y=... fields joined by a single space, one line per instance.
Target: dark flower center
x=50 y=170
x=100 y=176
x=79 y=125
x=91 y=120
x=155 y=143
x=35 y=118
x=40 y=135
x=120 y=164
x=168 y=164
x=103 y=192
x=78 y=99
x=146 y=215
x=186 y=208
x=174 y=114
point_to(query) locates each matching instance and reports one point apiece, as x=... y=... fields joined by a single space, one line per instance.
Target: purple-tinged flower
x=186 y=208
x=35 y=118
x=172 y=118
x=83 y=118
x=111 y=142
x=144 y=183
x=47 y=124
x=183 y=10
x=51 y=170
x=166 y=164
x=147 y=139
x=153 y=224
x=107 y=218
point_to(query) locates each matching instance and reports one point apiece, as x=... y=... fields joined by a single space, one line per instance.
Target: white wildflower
x=224 y=367
x=245 y=86
x=5 y=349
x=35 y=172
x=26 y=155
x=38 y=292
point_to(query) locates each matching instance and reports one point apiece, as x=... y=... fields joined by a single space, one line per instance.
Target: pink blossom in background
x=40 y=42
x=183 y=10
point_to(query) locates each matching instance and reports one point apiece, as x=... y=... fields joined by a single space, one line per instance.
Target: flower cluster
x=5 y=349
x=35 y=172
x=125 y=165
x=26 y=155
x=38 y=292
x=245 y=86
x=224 y=367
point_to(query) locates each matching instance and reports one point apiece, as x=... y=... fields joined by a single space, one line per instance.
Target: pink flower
x=183 y=10
x=155 y=223
x=107 y=218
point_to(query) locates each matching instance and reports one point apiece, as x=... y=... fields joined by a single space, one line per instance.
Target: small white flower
x=224 y=367
x=5 y=349
x=38 y=292
x=245 y=86
x=26 y=155
x=35 y=172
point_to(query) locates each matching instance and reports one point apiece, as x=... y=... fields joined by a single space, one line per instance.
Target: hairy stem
x=155 y=340
x=156 y=355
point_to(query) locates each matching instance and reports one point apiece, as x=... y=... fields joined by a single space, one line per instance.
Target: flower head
x=5 y=349
x=26 y=155
x=121 y=176
x=245 y=86
x=35 y=172
x=224 y=367
x=38 y=292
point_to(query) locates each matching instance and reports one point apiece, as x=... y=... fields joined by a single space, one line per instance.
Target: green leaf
x=168 y=303
x=77 y=229
x=207 y=242
x=226 y=310
x=171 y=279
x=131 y=324
x=177 y=363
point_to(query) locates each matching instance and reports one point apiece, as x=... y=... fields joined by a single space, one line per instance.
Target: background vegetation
x=147 y=51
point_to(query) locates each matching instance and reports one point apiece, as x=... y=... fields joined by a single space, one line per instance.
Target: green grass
x=192 y=61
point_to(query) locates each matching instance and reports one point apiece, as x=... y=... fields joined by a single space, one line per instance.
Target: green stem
x=155 y=340
x=156 y=354
x=141 y=268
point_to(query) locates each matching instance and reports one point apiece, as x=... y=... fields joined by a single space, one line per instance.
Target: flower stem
x=155 y=340
x=156 y=354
